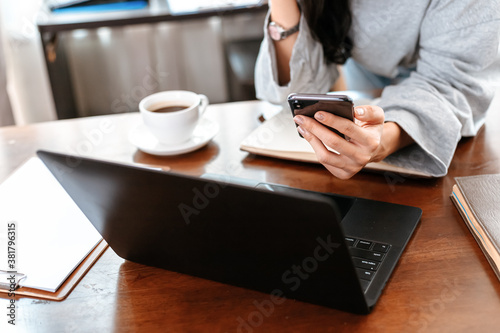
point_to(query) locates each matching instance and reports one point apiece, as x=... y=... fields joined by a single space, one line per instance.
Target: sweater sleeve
x=309 y=71
x=448 y=94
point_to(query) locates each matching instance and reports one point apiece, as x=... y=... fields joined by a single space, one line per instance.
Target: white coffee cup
x=171 y=116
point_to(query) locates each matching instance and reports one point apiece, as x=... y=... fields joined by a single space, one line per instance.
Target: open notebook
x=278 y=137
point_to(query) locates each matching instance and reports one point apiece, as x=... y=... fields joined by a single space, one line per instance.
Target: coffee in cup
x=171 y=116
x=172 y=108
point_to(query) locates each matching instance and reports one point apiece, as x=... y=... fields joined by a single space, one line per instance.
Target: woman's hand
x=370 y=139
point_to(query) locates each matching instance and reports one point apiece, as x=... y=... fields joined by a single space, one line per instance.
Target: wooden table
x=443 y=282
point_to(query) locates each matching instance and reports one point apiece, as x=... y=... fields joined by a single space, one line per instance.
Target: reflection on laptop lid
x=287 y=242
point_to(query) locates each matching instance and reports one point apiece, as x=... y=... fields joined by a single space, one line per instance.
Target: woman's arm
x=287 y=14
x=295 y=64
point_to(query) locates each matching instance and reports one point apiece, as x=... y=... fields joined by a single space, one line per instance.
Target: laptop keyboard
x=367 y=257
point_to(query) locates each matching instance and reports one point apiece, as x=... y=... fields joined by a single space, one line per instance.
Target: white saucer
x=142 y=138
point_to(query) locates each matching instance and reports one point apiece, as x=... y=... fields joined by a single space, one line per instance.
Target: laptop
x=321 y=248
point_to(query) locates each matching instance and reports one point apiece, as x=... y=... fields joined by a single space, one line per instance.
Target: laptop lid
x=289 y=244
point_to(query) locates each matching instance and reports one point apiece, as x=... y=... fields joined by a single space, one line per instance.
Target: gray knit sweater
x=454 y=45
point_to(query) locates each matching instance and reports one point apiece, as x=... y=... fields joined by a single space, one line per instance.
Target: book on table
x=477 y=198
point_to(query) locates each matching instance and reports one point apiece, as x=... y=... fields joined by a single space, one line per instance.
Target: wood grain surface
x=443 y=282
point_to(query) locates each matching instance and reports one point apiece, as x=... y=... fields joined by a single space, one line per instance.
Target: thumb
x=369 y=114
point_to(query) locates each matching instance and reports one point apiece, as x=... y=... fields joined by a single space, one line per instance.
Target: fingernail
x=298 y=120
x=360 y=111
x=319 y=116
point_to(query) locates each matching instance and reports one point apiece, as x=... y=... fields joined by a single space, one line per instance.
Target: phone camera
x=298 y=105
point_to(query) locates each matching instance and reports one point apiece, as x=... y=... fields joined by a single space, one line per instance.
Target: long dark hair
x=330 y=21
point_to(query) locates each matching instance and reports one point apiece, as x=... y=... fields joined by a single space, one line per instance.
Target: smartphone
x=309 y=104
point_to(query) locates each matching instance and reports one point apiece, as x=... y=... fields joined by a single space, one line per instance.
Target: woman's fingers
x=365 y=136
x=337 y=164
x=365 y=116
x=324 y=134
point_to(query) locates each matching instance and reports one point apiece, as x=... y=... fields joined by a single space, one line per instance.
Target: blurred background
x=52 y=69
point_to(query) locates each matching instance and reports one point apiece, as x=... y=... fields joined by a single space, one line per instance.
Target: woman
x=436 y=56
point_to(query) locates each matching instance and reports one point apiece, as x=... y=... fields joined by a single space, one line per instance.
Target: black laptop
x=321 y=248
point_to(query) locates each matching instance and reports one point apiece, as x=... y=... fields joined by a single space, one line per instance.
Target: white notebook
x=52 y=235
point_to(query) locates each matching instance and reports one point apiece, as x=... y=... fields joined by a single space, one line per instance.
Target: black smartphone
x=309 y=104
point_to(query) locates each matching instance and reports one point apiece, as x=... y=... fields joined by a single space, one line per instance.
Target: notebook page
x=53 y=236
